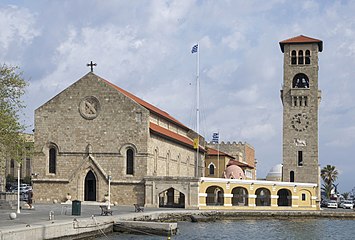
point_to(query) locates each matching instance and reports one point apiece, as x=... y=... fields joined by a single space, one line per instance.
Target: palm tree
x=346 y=195
x=329 y=174
x=327 y=189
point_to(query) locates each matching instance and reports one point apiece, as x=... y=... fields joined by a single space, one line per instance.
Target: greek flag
x=194 y=48
x=215 y=138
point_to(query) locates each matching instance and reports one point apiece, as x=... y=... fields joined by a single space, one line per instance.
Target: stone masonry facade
x=91 y=125
x=300 y=112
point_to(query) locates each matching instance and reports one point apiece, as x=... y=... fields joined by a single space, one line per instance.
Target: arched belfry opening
x=90 y=187
x=300 y=80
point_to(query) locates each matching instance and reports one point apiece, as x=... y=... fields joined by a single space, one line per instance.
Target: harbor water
x=256 y=229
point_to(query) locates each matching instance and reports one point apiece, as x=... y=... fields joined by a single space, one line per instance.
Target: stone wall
x=91 y=125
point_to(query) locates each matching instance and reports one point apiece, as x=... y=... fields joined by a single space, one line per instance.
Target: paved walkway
x=40 y=213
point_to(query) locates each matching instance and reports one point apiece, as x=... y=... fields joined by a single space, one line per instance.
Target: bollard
x=51 y=215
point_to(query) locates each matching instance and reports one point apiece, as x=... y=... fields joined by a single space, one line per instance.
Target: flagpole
x=218 y=156
x=197 y=108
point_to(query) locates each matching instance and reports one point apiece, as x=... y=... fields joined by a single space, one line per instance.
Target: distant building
x=217 y=163
x=243 y=153
x=275 y=173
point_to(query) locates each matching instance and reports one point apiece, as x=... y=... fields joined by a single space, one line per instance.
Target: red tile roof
x=215 y=152
x=301 y=39
x=154 y=127
x=147 y=105
x=171 y=135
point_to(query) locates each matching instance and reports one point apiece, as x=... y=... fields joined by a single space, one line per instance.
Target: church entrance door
x=90 y=187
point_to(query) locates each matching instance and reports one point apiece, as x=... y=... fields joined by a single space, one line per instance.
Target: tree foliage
x=346 y=195
x=329 y=175
x=12 y=88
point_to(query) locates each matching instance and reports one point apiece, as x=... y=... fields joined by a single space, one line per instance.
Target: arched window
x=52 y=160
x=300 y=80
x=155 y=162
x=300 y=57
x=293 y=57
x=300 y=158
x=308 y=57
x=211 y=169
x=129 y=161
x=292 y=176
x=167 y=163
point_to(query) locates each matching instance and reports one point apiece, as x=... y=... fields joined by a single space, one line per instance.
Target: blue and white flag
x=194 y=48
x=215 y=138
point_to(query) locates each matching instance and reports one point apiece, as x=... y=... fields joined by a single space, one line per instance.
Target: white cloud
x=262 y=131
x=145 y=49
x=17 y=29
x=236 y=39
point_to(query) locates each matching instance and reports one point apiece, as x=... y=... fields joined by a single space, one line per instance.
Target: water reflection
x=259 y=229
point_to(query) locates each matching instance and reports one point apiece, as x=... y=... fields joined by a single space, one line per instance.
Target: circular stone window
x=89 y=107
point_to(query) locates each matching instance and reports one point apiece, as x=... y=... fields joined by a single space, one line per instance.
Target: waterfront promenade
x=37 y=224
x=29 y=223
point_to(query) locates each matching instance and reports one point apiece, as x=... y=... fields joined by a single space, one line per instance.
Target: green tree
x=346 y=195
x=12 y=88
x=329 y=175
x=327 y=189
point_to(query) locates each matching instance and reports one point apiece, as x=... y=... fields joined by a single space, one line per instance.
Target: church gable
x=91 y=112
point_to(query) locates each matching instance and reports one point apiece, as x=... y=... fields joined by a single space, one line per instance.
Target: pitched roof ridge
x=171 y=134
x=301 y=38
x=213 y=151
x=147 y=105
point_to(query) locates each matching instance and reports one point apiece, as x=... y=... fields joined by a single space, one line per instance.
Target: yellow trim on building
x=220 y=193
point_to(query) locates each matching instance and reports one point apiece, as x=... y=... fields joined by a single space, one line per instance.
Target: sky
x=144 y=47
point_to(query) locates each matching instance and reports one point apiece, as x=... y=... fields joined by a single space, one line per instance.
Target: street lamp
x=18 y=187
x=109 y=190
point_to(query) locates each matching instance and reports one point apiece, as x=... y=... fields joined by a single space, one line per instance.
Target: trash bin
x=76 y=208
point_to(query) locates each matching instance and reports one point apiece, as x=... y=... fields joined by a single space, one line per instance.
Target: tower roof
x=300 y=40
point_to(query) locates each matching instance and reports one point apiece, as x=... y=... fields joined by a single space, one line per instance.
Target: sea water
x=256 y=229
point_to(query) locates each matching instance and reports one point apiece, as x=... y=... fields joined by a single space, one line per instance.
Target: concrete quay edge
x=34 y=224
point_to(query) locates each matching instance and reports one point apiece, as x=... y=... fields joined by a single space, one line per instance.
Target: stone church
x=95 y=134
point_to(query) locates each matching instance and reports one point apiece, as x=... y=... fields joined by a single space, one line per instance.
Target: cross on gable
x=91 y=65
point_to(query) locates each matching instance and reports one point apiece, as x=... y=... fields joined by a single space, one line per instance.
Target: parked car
x=332 y=204
x=324 y=203
x=347 y=204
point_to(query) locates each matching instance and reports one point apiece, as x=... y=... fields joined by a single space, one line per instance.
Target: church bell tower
x=300 y=99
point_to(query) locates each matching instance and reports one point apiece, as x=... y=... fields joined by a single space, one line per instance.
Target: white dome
x=275 y=173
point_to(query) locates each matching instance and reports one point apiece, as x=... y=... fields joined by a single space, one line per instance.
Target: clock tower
x=300 y=99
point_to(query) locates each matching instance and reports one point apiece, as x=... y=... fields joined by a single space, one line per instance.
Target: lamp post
x=18 y=187
x=109 y=190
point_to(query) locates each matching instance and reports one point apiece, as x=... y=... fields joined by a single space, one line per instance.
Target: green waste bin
x=76 y=208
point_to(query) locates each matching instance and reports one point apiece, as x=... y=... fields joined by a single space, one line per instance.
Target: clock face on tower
x=300 y=122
